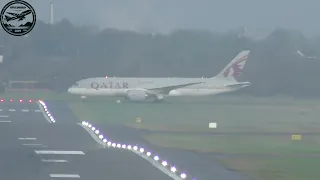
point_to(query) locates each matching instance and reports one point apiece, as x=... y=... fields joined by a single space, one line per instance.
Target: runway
x=32 y=148
x=201 y=166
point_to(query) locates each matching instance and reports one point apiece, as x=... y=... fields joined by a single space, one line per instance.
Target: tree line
x=62 y=53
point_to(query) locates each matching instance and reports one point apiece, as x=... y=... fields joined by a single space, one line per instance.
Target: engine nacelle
x=137 y=95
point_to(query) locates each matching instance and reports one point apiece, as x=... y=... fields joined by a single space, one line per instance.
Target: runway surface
x=32 y=148
x=201 y=166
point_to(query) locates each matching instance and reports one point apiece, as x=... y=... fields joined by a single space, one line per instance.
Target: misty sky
x=258 y=16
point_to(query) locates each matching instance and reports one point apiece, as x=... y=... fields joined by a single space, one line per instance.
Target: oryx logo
x=18 y=18
x=236 y=68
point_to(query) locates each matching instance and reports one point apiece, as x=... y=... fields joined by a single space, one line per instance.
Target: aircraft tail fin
x=235 y=67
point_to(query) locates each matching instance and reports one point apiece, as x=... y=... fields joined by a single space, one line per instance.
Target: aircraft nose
x=71 y=90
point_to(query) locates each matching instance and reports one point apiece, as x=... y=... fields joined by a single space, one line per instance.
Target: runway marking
x=32 y=144
x=12 y=110
x=5 y=121
x=54 y=160
x=27 y=138
x=59 y=152
x=3 y=116
x=65 y=175
x=37 y=110
x=25 y=110
x=44 y=113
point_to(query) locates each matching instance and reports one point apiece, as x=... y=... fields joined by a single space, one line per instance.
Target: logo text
x=110 y=85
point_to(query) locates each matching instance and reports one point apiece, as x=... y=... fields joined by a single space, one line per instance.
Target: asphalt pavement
x=32 y=148
x=200 y=166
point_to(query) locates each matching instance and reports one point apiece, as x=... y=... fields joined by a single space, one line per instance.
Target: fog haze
x=259 y=17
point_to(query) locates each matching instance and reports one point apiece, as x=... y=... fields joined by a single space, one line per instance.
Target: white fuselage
x=115 y=87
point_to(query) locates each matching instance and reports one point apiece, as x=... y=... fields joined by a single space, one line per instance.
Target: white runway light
x=171 y=171
x=164 y=163
x=45 y=112
x=183 y=175
x=156 y=158
x=135 y=148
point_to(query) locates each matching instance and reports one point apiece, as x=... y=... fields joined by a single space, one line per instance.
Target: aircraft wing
x=167 y=88
x=14 y=14
x=239 y=84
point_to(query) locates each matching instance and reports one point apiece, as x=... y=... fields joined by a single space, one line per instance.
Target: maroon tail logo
x=236 y=68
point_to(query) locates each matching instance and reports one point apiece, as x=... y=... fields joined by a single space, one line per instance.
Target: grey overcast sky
x=259 y=16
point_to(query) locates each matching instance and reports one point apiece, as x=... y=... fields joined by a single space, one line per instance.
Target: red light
x=30 y=101
x=2 y=100
x=106 y=76
x=21 y=100
x=11 y=100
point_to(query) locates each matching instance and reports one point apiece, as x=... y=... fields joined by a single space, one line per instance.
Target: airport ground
x=253 y=136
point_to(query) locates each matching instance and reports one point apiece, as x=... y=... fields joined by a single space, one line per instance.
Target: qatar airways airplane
x=142 y=89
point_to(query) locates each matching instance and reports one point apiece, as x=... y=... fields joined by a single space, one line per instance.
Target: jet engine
x=137 y=95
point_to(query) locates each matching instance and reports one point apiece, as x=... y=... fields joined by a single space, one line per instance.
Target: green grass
x=296 y=166
x=245 y=144
x=230 y=116
x=279 y=168
x=233 y=114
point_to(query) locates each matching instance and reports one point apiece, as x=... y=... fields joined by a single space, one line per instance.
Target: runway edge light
x=172 y=170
